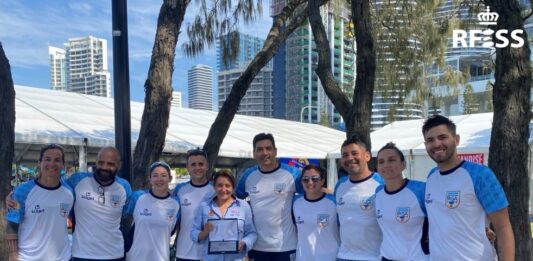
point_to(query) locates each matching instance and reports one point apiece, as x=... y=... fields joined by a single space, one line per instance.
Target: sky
x=28 y=27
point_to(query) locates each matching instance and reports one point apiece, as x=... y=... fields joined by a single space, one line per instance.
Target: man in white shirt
x=271 y=187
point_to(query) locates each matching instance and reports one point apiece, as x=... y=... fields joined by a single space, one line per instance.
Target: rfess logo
x=462 y=38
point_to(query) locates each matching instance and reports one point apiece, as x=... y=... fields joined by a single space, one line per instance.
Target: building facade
x=200 y=78
x=58 y=69
x=176 y=99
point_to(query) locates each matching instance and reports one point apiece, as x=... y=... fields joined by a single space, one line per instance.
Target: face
x=265 y=154
x=223 y=188
x=354 y=158
x=51 y=163
x=197 y=167
x=390 y=165
x=312 y=182
x=107 y=165
x=441 y=144
x=160 y=178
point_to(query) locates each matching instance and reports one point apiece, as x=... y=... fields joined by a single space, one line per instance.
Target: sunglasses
x=160 y=164
x=101 y=195
x=196 y=152
x=314 y=179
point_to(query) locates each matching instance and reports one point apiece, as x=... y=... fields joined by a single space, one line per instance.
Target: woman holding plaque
x=155 y=213
x=224 y=225
x=315 y=214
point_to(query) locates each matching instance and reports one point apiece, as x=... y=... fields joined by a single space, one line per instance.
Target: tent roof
x=474 y=131
x=46 y=116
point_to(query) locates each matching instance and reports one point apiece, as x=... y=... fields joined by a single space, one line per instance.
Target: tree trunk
x=7 y=138
x=510 y=131
x=158 y=88
x=276 y=36
x=359 y=122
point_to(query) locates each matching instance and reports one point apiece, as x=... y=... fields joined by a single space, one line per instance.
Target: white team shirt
x=271 y=195
x=317 y=228
x=457 y=203
x=190 y=196
x=401 y=216
x=154 y=220
x=359 y=230
x=42 y=218
x=97 y=231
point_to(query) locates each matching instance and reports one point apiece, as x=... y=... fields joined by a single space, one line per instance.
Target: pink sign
x=476 y=157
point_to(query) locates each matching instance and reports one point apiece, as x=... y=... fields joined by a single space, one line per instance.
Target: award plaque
x=224 y=238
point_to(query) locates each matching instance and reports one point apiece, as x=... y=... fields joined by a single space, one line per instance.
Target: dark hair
x=52 y=146
x=196 y=152
x=318 y=169
x=264 y=136
x=224 y=174
x=392 y=146
x=160 y=164
x=437 y=120
x=354 y=139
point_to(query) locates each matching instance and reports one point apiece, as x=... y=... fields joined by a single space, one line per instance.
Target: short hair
x=392 y=146
x=264 y=136
x=224 y=174
x=354 y=139
x=52 y=146
x=316 y=168
x=436 y=120
x=196 y=152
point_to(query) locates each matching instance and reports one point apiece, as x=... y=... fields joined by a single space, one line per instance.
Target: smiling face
x=197 y=167
x=265 y=154
x=51 y=163
x=159 y=179
x=223 y=188
x=390 y=166
x=312 y=182
x=441 y=146
x=354 y=159
x=107 y=164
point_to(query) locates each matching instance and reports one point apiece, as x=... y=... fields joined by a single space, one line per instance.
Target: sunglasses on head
x=197 y=152
x=314 y=179
x=159 y=164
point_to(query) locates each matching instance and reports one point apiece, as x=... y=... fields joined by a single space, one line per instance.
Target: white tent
x=85 y=123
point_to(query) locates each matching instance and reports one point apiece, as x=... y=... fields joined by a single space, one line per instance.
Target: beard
x=104 y=176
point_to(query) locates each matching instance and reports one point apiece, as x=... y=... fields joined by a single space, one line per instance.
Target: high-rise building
x=86 y=66
x=258 y=98
x=58 y=68
x=200 y=78
x=176 y=99
x=390 y=107
x=304 y=96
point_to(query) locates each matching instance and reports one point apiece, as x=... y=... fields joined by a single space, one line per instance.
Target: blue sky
x=28 y=27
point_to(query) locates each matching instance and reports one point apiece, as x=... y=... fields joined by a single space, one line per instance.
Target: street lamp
x=306 y=107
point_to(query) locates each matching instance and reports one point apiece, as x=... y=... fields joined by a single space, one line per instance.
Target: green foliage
x=217 y=18
x=470 y=103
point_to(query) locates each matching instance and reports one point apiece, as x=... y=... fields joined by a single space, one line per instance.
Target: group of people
x=274 y=212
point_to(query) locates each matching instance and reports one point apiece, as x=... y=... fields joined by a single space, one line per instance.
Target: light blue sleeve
x=419 y=189
x=339 y=182
x=488 y=190
x=20 y=195
x=129 y=208
x=76 y=178
x=126 y=185
x=296 y=174
x=178 y=213
x=250 y=234
x=197 y=225
x=379 y=188
x=240 y=191
x=378 y=178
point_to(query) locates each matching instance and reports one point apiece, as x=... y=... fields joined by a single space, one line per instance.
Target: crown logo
x=487 y=18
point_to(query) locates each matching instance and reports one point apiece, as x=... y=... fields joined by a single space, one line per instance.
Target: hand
x=208 y=227
x=242 y=246
x=490 y=234
x=11 y=204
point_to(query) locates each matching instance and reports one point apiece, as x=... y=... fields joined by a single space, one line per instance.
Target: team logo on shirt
x=299 y=220
x=37 y=209
x=453 y=199
x=340 y=202
x=115 y=199
x=428 y=198
x=403 y=214
x=171 y=213
x=63 y=209
x=145 y=212
x=254 y=190
x=186 y=202
x=279 y=188
x=322 y=220
x=367 y=203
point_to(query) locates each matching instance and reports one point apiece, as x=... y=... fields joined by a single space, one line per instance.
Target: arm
x=10 y=202
x=200 y=231
x=11 y=240
x=504 y=234
x=250 y=234
x=125 y=226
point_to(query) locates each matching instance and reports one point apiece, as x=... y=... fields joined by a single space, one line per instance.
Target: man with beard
x=271 y=187
x=99 y=200
x=459 y=197
x=354 y=195
x=190 y=195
